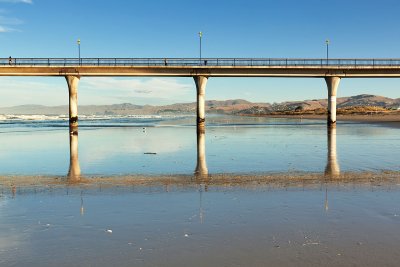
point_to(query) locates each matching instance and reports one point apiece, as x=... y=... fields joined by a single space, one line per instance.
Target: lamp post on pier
x=79 y=50
x=327 y=50
x=200 y=36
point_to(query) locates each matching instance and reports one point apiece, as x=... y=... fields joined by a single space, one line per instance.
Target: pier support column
x=333 y=84
x=73 y=82
x=201 y=82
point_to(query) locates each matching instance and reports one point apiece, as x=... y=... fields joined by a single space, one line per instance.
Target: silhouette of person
x=10 y=60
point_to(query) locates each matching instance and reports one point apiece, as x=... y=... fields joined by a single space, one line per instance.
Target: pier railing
x=204 y=62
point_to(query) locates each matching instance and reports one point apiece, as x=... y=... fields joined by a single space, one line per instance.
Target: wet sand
x=226 y=180
x=293 y=219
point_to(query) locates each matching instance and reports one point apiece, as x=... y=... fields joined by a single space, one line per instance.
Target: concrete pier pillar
x=201 y=167
x=73 y=82
x=201 y=82
x=333 y=84
x=332 y=166
x=74 y=171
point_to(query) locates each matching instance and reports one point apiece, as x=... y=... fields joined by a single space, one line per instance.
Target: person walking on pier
x=10 y=61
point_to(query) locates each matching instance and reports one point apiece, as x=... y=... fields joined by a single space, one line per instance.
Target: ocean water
x=154 y=145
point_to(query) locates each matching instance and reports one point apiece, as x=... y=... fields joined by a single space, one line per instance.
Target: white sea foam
x=12 y=117
x=22 y=118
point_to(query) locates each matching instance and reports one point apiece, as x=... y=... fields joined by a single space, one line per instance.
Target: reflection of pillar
x=201 y=167
x=333 y=84
x=82 y=210
x=201 y=211
x=74 y=171
x=332 y=165
x=326 y=206
x=72 y=82
x=201 y=82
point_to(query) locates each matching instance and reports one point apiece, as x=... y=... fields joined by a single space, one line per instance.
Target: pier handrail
x=204 y=62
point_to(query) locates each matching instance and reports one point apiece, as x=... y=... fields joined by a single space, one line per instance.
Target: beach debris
x=150 y=153
x=109 y=231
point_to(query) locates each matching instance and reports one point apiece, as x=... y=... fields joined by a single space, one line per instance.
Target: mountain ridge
x=231 y=106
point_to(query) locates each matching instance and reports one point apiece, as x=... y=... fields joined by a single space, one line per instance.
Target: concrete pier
x=333 y=84
x=201 y=167
x=74 y=171
x=201 y=82
x=332 y=70
x=73 y=82
x=332 y=166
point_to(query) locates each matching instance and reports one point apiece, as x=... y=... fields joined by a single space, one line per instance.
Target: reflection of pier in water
x=201 y=171
x=332 y=166
x=74 y=171
x=201 y=167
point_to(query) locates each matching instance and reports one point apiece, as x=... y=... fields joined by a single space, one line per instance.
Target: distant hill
x=227 y=106
x=368 y=100
x=236 y=106
x=363 y=100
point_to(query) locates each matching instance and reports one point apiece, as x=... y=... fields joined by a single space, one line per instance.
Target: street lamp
x=200 y=36
x=79 y=50
x=327 y=50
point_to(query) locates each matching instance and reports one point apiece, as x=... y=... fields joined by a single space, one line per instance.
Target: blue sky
x=235 y=28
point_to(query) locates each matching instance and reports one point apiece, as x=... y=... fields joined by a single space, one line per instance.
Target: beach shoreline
x=390 y=119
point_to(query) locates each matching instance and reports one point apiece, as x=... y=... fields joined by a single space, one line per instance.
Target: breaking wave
x=88 y=120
